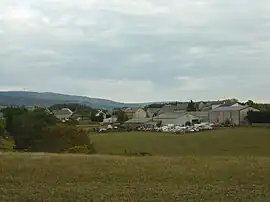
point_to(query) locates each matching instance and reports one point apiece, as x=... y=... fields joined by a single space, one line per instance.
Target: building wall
x=139 y=114
x=180 y=120
x=221 y=117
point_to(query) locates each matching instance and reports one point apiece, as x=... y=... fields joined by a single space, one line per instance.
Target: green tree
x=2 y=128
x=250 y=103
x=96 y=118
x=10 y=113
x=121 y=116
x=64 y=138
x=27 y=128
x=191 y=106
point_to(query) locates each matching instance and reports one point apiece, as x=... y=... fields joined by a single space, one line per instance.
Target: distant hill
x=25 y=98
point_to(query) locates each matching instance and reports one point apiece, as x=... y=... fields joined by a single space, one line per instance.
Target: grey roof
x=181 y=106
x=141 y=120
x=229 y=109
x=199 y=113
x=170 y=115
x=203 y=115
x=131 y=110
x=153 y=111
x=166 y=108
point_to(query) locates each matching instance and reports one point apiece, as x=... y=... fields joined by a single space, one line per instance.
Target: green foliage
x=26 y=128
x=83 y=110
x=63 y=138
x=2 y=128
x=95 y=118
x=191 y=106
x=10 y=113
x=6 y=144
x=159 y=124
x=227 y=122
x=80 y=150
x=121 y=116
x=155 y=105
x=250 y=103
x=258 y=117
x=188 y=123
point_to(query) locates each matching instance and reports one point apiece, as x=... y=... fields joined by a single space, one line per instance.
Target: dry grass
x=242 y=173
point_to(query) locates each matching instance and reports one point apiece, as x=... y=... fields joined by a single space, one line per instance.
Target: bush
x=6 y=144
x=64 y=138
x=258 y=117
x=227 y=122
x=80 y=150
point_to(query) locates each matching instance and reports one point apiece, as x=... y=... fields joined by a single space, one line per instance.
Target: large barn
x=235 y=114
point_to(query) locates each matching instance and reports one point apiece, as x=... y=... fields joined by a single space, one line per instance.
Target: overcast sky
x=137 y=50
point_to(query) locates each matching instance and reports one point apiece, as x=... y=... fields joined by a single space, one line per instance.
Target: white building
x=177 y=118
x=235 y=114
x=63 y=114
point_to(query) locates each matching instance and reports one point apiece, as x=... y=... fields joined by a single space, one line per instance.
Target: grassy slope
x=234 y=166
x=234 y=142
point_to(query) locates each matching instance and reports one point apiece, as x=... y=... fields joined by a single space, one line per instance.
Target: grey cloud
x=218 y=46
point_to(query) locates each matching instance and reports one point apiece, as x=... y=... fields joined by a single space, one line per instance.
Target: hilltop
x=46 y=99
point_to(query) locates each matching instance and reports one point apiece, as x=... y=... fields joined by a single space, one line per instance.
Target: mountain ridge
x=46 y=99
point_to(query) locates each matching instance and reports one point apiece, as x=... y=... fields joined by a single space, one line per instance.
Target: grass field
x=224 y=165
x=229 y=142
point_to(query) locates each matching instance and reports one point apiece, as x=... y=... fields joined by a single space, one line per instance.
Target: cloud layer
x=134 y=51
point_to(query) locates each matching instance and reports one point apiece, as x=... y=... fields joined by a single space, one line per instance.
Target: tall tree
x=2 y=128
x=191 y=106
x=27 y=128
x=10 y=113
x=250 y=103
x=121 y=116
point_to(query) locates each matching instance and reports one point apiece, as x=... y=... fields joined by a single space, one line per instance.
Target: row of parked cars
x=181 y=129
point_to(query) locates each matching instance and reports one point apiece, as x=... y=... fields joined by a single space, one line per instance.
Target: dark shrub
x=64 y=138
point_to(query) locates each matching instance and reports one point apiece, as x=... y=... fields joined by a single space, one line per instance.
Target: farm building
x=137 y=113
x=167 y=109
x=63 y=114
x=203 y=115
x=177 y=118
x=135 y=123
x=235 y=114
x=151 y=112
x=112 y=119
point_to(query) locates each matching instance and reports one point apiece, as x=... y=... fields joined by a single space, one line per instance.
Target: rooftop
x=142 y=120
x=229 y=108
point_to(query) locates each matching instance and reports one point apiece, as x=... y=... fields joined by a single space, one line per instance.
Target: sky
x=137 y=50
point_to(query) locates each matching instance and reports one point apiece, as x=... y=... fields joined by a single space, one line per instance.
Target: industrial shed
x=177 y=118
x=235 y=114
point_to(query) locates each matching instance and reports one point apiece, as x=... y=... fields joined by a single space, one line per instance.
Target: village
x=169 y=117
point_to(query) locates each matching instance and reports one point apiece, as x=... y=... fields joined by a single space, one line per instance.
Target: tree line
x=40 y=131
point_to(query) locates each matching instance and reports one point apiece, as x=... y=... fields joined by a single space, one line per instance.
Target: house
x=2 y=107
x=235 y=114
x=101 y=113
x=167 y=109
x=110 y=120
x=135 y=123
x=177 y=118
x=181 y=106
x=130 y=112
x=63 y=114
x=140 y=114
x=31 y=108
x=203 y=115
x=136 y=113
x=151 y=112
